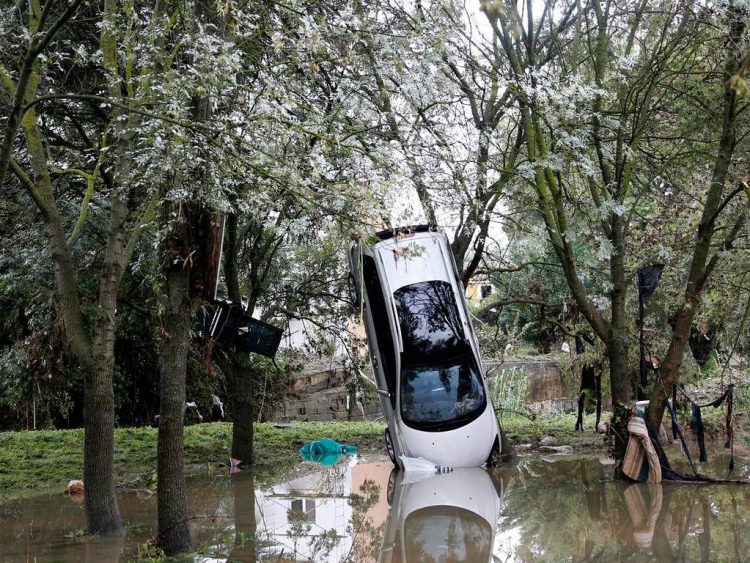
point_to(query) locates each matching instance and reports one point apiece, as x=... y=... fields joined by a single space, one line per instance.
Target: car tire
x=493 y=460
x=391 y=490
x=389 y=447
x=353 y=291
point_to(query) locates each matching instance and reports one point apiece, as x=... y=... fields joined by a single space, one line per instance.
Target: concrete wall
x=547 y=391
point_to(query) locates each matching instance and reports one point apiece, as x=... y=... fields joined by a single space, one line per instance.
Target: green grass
x=521 y=430
x=32 y=462
x=37 y=461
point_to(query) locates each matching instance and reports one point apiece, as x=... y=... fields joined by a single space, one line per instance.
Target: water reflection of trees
x=365 y=536
x=572 y=509
x=321 y=545
x=245 y=543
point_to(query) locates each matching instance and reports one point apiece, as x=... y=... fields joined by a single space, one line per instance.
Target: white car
x=443 y=517
x=424 y=353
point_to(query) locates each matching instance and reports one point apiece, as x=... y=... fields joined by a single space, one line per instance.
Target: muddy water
x=536 y=509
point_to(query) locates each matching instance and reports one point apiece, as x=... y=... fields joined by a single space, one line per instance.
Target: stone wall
x=322 y=395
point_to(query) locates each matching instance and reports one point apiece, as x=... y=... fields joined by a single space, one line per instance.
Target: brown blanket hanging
x=640 y=450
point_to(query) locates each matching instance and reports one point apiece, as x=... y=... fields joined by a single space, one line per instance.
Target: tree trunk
x=173 y=531
x=243 y=408
x=95 y=358
x=102 y=515
x=231 y=253
x=238 y=365
x=97 y=363
x=617 y=347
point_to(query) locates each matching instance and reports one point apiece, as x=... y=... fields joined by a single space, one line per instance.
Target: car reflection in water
x=447 y=517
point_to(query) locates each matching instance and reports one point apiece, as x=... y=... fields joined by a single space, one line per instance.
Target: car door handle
x=384 y=393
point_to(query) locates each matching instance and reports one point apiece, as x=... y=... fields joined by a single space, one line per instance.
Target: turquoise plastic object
x=325 y=451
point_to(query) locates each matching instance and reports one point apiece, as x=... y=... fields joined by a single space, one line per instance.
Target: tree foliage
x=561 y=144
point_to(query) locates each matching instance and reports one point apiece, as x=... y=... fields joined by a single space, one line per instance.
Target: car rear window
x=431 y=327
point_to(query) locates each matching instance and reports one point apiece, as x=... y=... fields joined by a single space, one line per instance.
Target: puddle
x=549 y=508
x=571 y=509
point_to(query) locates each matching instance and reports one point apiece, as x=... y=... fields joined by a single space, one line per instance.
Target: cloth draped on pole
x=696 y=422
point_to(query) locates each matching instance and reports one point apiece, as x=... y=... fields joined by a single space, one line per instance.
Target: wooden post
x=214 y=233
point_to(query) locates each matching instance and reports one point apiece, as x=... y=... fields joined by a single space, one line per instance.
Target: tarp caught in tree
x=227 y=322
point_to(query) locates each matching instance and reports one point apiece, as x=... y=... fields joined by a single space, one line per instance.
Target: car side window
x=379 y=314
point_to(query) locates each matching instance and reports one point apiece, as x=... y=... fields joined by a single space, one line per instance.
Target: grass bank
x=32 y=462
x=521 y=430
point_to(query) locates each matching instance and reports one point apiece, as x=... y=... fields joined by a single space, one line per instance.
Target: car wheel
x=391 y=490
x=353 y=291
x=493 y=460
x=389 y=447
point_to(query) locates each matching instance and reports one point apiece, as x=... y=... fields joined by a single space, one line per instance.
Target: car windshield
x=431 y=327
x=443 y=395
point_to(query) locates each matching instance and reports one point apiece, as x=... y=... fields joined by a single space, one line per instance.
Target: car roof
x=416 y=258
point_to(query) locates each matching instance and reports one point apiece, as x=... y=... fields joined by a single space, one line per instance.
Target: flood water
x=555 y=508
